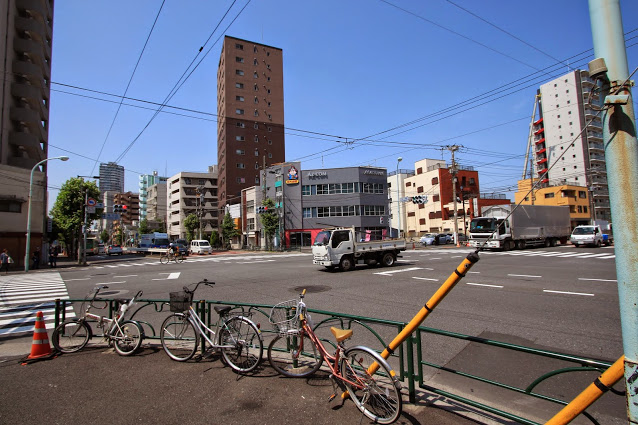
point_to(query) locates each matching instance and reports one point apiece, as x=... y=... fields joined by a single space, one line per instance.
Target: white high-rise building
x=568 y=139
x=146 y=181
x=111 y=178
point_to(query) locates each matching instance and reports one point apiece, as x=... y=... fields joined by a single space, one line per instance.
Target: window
x=268 y=91
x=582 y=194
x=256 y=138
x=269 y=155
x=239 y=98
x=419 y=189
x=238 y=59
x=310 y=212
x=239 y=72
x=240 y=152
x=436 y=198
x=256 y=87
x=255 y=61
x=256 y=113
x=241 y=180
x=239 y=111
x=255 y=74
x=472 y=181
x=239 y=85
x=270 y=129
x=268 y=78
x=256 y=152
x=256 y=99
x=10 y=206
x=270 y=142
x=435 y=180
x=256 y=126
x=256 y=166
x=241 y=165
x=241 y=124
x=257 y=180
x=580 y=208
x=254 y=49
x=269 y=117
x=549 y=195
x=239 y=46
x=239 y=138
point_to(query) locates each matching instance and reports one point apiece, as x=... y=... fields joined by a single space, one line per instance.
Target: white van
x=200 y=247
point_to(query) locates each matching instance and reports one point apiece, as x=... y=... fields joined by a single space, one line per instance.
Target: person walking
x=35 y=258
x=4 y=261
x=54 y=256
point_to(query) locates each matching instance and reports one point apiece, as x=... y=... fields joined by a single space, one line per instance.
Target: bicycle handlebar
x=205 y=282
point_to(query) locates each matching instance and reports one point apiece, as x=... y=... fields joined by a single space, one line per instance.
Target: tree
x=68 y=210
x=214 y=239
x=104 y=236
x=270 y=221
x=190 y=224
x=143 y=228
x=229 y=231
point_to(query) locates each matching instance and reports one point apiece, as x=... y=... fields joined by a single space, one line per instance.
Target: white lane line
x=84 y=278
x=598 y=280
x=523 y=275
x=110 y=283
x=475 y=272
x=608 y=256
x=456 y=256
x=568 y=293
x=128 y=275
x=484 y=284
x=390 y=273
x=437 y=258
x=425 y=278
x=258 y=261
x=594 y=255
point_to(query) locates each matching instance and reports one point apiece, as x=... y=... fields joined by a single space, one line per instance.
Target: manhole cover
x=311 y=288
x=109 y=292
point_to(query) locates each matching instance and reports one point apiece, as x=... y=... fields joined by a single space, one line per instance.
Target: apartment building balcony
x=32 y=95
x=597 y=157
x=595 y=136
x=39 y=53
x=539 y=140
x=38 y=7
x=538 y=121
x=29 y=143
x=542 y=151
x=539 y=131
x=596 y=147
x=34 y=26
x=541 y=161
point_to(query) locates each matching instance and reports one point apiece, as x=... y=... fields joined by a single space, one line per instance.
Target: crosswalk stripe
x=22 y=296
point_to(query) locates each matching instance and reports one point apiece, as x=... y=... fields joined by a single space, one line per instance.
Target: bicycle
x=360 y=371
x=170 y=256
x=236 y=336
x=125 y=335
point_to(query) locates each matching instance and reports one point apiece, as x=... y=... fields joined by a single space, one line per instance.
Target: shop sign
x=292 y=176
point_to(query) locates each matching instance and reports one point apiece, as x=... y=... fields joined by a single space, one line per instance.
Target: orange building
x=575 y=197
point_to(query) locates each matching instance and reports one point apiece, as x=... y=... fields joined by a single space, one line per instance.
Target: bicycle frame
x=114 y=324
x=201 y=326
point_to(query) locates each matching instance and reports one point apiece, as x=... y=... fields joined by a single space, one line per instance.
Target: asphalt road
x=560 y=299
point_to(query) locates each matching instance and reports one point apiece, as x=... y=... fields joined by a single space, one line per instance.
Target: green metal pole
x=621 y=157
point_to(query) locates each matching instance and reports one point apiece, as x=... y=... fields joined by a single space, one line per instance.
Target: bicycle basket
x=180 y=301
x=284 y=317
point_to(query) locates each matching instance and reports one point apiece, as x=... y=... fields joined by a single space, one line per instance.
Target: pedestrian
x=51 y=251
x=54 y=258
x=5 y=259
x=35 y=258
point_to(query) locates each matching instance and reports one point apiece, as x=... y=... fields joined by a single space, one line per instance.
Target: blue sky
x=353 y=69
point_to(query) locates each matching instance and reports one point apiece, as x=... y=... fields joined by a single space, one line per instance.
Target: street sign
x=91 y=202
x=99 y=205
x=90 y=209
x=111 y=216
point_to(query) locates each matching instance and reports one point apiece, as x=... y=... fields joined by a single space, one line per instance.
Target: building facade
x=156 y=204
x=575 y=197
x=111 y=178
x=433 y=181
x=397 y=219
x=192 y=193
x=26 y=36
x=250 y=109
x=146 y=181
x=568 y=140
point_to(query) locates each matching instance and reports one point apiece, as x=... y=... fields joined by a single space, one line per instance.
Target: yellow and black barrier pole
x=429 y=306
x=600 y=386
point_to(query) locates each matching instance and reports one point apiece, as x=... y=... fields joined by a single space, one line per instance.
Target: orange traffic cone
x=40 y=347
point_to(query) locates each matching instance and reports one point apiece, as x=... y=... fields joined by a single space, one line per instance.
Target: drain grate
x=311 y=289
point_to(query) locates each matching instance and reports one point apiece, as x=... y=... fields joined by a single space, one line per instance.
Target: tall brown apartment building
x=250 y=106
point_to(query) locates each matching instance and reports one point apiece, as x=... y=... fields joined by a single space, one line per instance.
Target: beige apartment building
x=192 y=193
x=26 y=34
x=156 y=204
x=250 y=106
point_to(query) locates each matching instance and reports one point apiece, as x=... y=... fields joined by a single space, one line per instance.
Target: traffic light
x=123 y=208
x=117 y=208
x=260 y=210
x=420 y=199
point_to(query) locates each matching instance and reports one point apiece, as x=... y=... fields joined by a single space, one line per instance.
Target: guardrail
x=380 y=332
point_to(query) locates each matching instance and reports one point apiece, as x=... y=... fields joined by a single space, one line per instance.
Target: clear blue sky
x=352 y=69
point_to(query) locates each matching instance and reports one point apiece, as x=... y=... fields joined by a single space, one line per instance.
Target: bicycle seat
x=223 y=310
x=122 y=300
x=341 y=334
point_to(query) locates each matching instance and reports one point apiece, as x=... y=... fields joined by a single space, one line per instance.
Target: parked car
x=443 y=238
x=101 y=249
x=427 y=239
x=200 y=247
x=114 y=250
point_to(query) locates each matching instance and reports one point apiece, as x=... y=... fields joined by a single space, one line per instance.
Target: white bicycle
x=236 y=336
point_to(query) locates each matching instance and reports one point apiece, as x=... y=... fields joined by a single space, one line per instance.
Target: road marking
x=484 y=284
x=110 y=283
x=568 y=293
x=437 y=258
x=390 y=273
x=474 y=272
x=523 y=275
x=598 y=280
x=84 y=278
x=128 y=275
x=456 y=256
x=258 y=261
x=170 y=276
x=425 y=278
x=609 y=256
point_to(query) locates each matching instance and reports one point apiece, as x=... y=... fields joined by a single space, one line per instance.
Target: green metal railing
x=411 y=363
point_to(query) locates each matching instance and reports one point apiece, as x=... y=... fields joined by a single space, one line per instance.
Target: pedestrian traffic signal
x=117 y=208
x=420 y=199
x=262 y=210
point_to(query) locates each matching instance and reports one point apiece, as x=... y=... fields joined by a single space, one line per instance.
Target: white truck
x=339 y=248
x=594 y=234
x=528 y=225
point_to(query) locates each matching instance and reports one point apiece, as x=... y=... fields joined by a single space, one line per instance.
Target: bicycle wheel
x=377 y=395
x=242 y=347
x=71 y=336
x=179 y=337
x=179 y=258
x=164 y=259
x=128 y=338
x=294 y=356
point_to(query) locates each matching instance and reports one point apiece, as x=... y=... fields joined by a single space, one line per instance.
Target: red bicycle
x=358 y=371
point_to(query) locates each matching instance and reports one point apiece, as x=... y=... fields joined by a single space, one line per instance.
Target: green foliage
x=229 y=231
x=190 y=224
x=143 y=227
x=269 y=220
x=68 y=210
x=214 y=239
x=104 y=236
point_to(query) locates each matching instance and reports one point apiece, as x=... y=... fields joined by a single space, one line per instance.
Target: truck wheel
x=547 y=243
x=520 y=244
x=346 y=264
x=388 y=259
x=553 y=242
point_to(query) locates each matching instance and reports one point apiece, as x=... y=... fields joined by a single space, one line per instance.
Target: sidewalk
x=98 y=386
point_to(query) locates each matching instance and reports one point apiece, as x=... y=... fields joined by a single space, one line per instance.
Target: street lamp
x=26 y=253
x=399 y=159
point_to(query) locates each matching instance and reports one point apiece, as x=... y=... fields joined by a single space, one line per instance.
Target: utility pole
x=263 y=198
x=621 y=154
x=453 y=171
x=531 y=173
